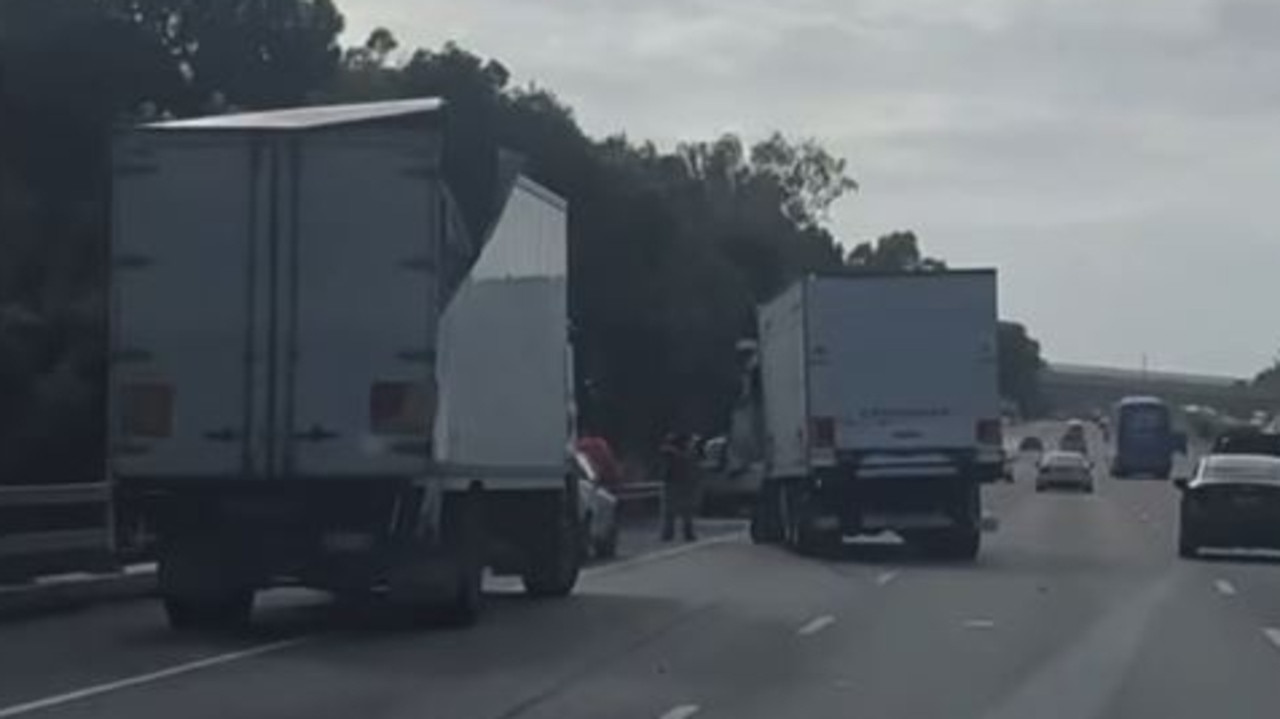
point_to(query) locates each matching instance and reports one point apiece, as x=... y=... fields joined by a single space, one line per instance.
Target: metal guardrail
x=47 y=494
x=53 y=528
x=637 y=491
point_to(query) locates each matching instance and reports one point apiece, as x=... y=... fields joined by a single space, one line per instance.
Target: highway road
x=1077 y=608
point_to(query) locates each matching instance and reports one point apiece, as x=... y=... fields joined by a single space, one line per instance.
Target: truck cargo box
x=855 y=364
x=277 y=283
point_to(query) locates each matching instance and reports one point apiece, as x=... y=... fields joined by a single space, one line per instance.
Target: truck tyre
x=1188 y=544
x=231 y=611
x=958 y=544
x=963 y=544
x=766 y=514
x=555 y=561
x=806 y=539
x=466 y=534
x=962 y=541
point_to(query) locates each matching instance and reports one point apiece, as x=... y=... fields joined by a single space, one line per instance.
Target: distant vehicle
x=1031 y=444
x=1145 y=441
x=1064 y=470
x=1232 y=502
x=598 y=509
x=882 y=409
x=1247 y=441
x=1073 y=439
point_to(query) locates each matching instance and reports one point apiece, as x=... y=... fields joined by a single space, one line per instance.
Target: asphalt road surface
x=1077 y=608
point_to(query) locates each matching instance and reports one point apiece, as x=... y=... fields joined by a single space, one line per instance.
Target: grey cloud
x=1062 y=139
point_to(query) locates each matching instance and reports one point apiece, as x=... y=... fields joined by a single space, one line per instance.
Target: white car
x=599 y=512
x=1064 y=470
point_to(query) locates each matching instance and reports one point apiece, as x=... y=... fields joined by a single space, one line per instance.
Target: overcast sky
x=1117 y=160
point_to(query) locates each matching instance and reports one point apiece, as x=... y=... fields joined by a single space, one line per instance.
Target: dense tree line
x=670 y=250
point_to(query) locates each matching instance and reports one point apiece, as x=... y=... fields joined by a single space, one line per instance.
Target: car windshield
x=1229 y=468
x=1143 y=420
x=1064 y=460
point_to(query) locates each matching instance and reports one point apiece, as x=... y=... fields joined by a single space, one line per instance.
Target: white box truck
x=318 y=379
x=882 y=410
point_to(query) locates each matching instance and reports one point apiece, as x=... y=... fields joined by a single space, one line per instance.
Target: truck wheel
x=963 y=545
x=948 y=544
x=231 y=611
x=467 y=536
x=1188 y=547
x=806 y=539
x=553 y=565
x=818 y=542
x=766 y=519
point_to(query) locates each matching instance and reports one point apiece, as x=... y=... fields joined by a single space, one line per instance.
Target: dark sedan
x=1232 y=502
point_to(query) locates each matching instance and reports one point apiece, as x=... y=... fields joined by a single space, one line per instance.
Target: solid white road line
x=684 y=711
x=1273 y=635
x=1224 y=587
x=815 y=625
x=885 y=577
x=980 y=624
x=148 y=678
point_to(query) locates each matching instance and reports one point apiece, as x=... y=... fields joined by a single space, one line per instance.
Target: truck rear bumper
x=862 y=505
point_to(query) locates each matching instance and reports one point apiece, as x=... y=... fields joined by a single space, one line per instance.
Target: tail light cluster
x=989 y=432
x=146 y=410
x=398 y=408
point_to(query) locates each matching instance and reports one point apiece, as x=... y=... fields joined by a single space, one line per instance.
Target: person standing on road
x=679 y=486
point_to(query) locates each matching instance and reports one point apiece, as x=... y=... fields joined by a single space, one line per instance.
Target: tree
x=1268 y=380
x=895 y=252
x=1020 y=365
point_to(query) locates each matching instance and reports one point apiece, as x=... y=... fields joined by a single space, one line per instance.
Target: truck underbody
x=938 y=515
x=420 y=547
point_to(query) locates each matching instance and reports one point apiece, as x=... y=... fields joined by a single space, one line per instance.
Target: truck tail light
x=146 y=410
x=397 y=408
x=989 y=432
x=822 y=432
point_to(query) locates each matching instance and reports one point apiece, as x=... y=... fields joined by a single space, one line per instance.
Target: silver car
x=1064 y=470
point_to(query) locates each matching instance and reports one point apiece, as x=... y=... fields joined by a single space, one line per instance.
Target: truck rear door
x=904 y=363
x=359 y=296
x=184 y=314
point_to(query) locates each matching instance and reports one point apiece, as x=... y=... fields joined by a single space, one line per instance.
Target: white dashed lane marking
x=1273 y=635
x=684 y=711
x=885 y=577
x=815 y=625
x=1224 y=587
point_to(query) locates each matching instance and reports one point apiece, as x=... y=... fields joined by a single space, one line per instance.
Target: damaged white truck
x=320 y=378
